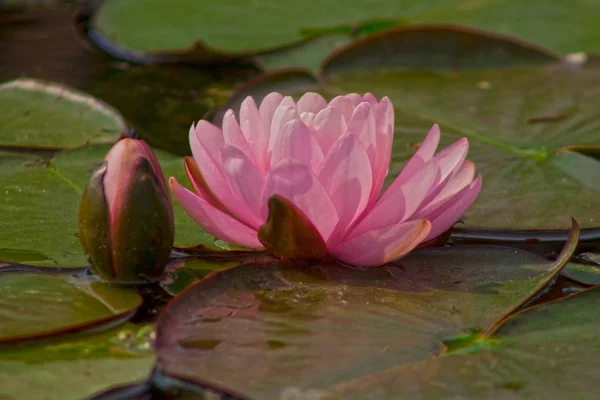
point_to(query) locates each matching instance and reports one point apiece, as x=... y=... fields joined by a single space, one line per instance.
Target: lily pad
x=39 y=202
x=265 y=329
x=585 y=274
x=547 y=351
x=202 y=31
x=75 y=368
x=33 y=306
x=38 y=114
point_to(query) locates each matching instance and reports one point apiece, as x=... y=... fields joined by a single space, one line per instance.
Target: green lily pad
x=40 y=114
x=263 y=329
x=582 y=273
x=548 y=351
x=75 y=368
x=40 y=305
x=39 y=202
x=203 y=32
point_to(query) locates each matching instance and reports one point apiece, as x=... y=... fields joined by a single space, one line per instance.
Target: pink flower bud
x=125 y=215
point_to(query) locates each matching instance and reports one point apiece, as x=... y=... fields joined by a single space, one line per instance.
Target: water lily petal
x=399 y=205
x=329 y=124
x=380 y=246
x=311 y=102
x=450 y=159
x=246 y=182
x=209 y=165
x=296 y=182
x=214 y=221
x=448 y=213
x=297 y=142
x=233 y=136
x=463 y=177
x=363 y=126
x=254 y=130
x=384 y=117
x=344 y=105
x=369 y=98
x=346 y=175
x=283 y=114
x=210 y=136
x=267 y=108
x=417 y=161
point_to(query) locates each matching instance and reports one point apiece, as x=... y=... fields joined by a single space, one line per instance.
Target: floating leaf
x=582 y=273
x=75 y=368
x=41 y=305
x=38 y=114
x=543 y=351
x=151 y=30
x=267 y=328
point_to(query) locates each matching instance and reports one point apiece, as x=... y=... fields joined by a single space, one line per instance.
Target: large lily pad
x=75 y=368
x=264 y=329
x=40 y=199
x=203 y=30
x=41 y=305
x=549 y=351
x=40 y=114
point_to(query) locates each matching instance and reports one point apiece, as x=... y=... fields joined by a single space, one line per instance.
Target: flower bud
x=125 y=215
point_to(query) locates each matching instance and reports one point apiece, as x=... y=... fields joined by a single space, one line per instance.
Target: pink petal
x=369 y=98
x=212 y=220
x=346 y=176
x=363 y=126
x=384 y=119
x=354 y=98
x=447 y=214
x=268 y=107
x=212 y=172
x=296 y=182
x=208 y=164
x=233 y=136
x=329 y=125
x=308 y=118
x=343 y=105
x=311 y=102
x=380 y=246
x=417 y=161
x=209 y=135
x=297 y=142
x=246 y=182
x=287 y=101
x=400 y=204
x=282 y=116
x=254 y=130
x=450 y=159
x=463 y=177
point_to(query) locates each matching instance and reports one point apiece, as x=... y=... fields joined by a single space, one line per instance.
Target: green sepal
x=288 y=233
x=94 y=225
x=143 y=230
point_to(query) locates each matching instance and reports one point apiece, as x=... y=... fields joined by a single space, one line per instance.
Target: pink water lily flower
x=329 y=160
